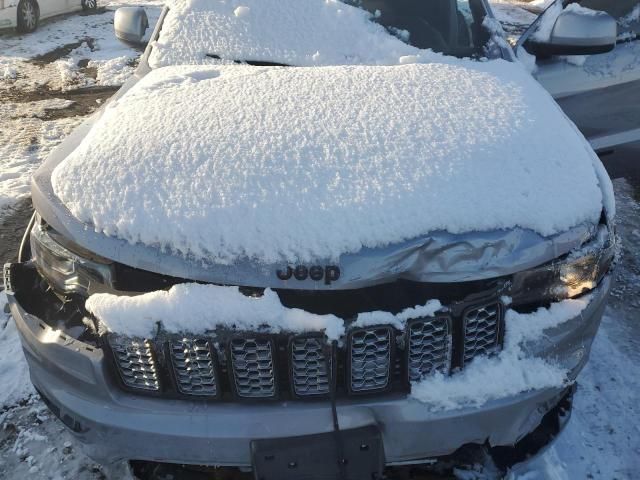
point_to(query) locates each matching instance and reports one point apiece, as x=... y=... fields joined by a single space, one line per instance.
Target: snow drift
x=299 y=163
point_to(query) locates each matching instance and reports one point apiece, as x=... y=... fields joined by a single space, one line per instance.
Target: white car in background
x=25 y=15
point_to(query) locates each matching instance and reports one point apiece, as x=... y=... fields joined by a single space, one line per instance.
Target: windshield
x=448 y=26
x=320 y=32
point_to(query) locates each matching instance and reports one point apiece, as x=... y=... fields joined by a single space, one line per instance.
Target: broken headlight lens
x=573 y=275
x=68 y=272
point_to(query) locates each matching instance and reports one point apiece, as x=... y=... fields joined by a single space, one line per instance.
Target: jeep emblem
x=330 y=273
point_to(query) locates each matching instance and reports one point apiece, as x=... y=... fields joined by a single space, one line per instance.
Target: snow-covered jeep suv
x=316 y=238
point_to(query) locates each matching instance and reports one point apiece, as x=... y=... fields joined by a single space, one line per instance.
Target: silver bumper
x=114 y=425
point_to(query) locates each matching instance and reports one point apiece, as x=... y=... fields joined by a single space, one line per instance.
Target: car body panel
x=48 y=8
x=55 y=7
x=8 y=13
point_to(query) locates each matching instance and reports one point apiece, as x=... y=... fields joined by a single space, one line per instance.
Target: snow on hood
x=293 y=32
x=290 y=164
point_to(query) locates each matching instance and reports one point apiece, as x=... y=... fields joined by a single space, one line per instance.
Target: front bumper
x=113 y=424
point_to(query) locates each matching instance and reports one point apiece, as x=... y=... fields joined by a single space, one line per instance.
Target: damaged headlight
x=69 y=272
x=570 y=276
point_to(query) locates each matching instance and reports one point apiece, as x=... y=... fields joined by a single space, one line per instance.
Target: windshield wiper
x=255 y=63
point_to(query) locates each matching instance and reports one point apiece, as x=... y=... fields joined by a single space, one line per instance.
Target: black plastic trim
x=449 y=321
x=216 y=369
x=274 y=359
x=329 y=363
x=500 y=326
x=392 y=359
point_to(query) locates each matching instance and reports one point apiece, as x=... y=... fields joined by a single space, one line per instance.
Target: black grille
x=252 y=366
x=135 y=362
x=194 y=367
x=429 y=348
x=309 y=366
x=482 y=327
x=370 y=360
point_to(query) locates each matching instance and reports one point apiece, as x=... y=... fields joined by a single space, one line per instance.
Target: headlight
x=571 y=276
x=66 y=271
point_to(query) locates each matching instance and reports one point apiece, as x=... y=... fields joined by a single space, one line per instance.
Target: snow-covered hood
x=278 y=165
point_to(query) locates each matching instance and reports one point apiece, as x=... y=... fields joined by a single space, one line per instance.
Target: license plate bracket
x=316 y=456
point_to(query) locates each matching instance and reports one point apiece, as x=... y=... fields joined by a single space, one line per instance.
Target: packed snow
x=328 y=160
x=197 y=308
x=313 y=32
x=194 y=308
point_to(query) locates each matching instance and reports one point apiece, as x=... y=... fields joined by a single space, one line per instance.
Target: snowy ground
x=52 y=79
x=49 y=80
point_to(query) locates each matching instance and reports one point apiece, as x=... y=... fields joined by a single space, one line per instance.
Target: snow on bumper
x=114 y=424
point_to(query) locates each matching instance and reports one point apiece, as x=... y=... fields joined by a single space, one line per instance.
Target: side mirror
x=130 y=24
x=577 y=32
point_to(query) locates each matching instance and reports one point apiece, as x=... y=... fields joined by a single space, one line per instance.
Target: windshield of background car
x=448 y=26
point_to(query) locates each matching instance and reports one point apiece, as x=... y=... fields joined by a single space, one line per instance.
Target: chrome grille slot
x=135 y=362
x=194 y=367
x=370 y=359
x=253 y=367
x=309 y=367
x=481 y=331
x=429 y=347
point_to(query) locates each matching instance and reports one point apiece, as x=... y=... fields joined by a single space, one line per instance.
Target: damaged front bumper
x=73 y=378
